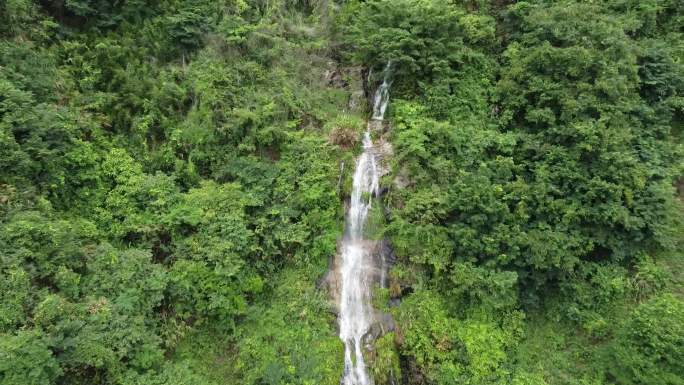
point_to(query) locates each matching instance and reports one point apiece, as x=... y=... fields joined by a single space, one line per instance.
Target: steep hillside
x=174 y=176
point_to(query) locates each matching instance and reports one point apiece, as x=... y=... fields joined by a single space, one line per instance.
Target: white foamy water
x=356 y=312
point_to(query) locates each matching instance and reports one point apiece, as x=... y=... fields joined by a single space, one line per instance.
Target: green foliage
x=26 y=359
x=597 y=288
x=172 y=176
x=169 y=374
x=151 y=184
x=384 y=361
x=564 y=169
x=375 y=222
x=448 y=350
x=535 y=150
x=648 y=347
x=474 y=287
x=15 y=297
x=553 y=352
x=344 y=130
x=286 y=339
x=425 y=40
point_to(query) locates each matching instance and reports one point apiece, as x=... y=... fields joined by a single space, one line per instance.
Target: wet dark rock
x=384 y=323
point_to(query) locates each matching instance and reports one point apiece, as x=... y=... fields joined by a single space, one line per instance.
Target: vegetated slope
x=539 y=144
x=170 y=190
x=166 y=177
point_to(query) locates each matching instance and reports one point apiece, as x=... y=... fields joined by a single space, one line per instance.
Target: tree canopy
x=173 y=177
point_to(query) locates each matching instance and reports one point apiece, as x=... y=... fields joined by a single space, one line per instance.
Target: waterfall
x=356 y=312
x=381 y=97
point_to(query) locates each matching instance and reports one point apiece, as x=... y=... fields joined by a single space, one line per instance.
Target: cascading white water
x=356 y=313
x=381 y=97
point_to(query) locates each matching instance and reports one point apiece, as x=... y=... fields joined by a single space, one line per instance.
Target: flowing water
x=381 y=97
x=357 y=270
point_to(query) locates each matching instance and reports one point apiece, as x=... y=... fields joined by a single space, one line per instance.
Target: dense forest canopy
x=173 y=179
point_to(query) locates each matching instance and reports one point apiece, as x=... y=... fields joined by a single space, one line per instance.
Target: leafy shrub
x=344 y=131
x=648 y=347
